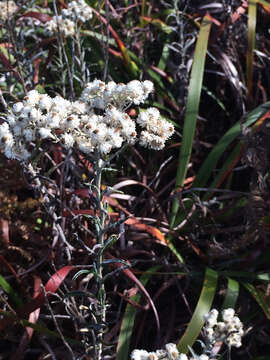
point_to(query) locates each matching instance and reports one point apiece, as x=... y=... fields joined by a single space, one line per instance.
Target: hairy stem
x=101 y=214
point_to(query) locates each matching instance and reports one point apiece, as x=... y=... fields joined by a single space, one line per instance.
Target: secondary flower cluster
x=7 y=9
x=119 y=96
x=66 y=21
x=230 y=330
x=95 y=122
x=169 y=353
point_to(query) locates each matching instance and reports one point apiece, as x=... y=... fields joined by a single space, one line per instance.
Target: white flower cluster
x=77 y=124
x=7 y=9
x=169 y=353
x=230 y=330
x=66 y=21
x=99 y=95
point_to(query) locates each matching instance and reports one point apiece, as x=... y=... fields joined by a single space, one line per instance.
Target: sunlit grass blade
x=10 y=291
x=129 y=318
x=194 y=94
x=252 y=19
x=231 y=294
x=260 y=298
x=203 y=306
x=210 y=163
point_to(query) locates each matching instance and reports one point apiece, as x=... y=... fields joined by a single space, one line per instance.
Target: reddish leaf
x=37 y=15
x=5 y=231
x=51 y=287
x=78 y=212
x=148 y=228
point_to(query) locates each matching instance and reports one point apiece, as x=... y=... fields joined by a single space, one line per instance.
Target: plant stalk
x=100 y=227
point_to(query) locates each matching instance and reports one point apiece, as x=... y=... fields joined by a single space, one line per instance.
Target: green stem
x=99 y=164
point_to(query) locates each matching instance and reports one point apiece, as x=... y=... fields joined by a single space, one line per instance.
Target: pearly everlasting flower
x=17 y=107
x=182 y=357
x=78 y=125
x=158 y=130
x=228 y=314
x=152 y=356
x=67 y=140
x=203 y=357
x=7 y=9
x=65 y=23
x=32 y=97
x=172 y=351
x=230 y=330
x=45 y=102
x=45 y=133
x=139 y=355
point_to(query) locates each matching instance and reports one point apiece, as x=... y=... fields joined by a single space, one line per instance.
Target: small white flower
x=152 y=141
x=45 y=133
x=228 y=314
x=79 y=107
x=32 y=97
x=10 y=153
x=11 y=119
x=85 y=146
x=172 y=351
x=17 y=130
x=213 y=314
x=45 y=102
x=139 y=355
x=203 y=357
x=29 y=134
x=26 y=110
x=152 y=356
x=148 y=87
x=182 y=357
x=17 y=107
x=67 y=140
x=71 y=122
x=105 y=147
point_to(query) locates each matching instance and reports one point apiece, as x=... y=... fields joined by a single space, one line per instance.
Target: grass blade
x=252 y=19
x=203 y=306
x=193 y=101
x=211 y=161
x=231 y=294
x=10 y=291
x=260 y=298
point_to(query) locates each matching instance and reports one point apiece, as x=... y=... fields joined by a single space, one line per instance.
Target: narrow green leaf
x=194 y=94
x=81 y=272
x=226 y=169
x=122 y=350
x=252 y=19
x=231 y=294
x=10 y=291
x=203 y=307
x=260 y=298
x=211 y=161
